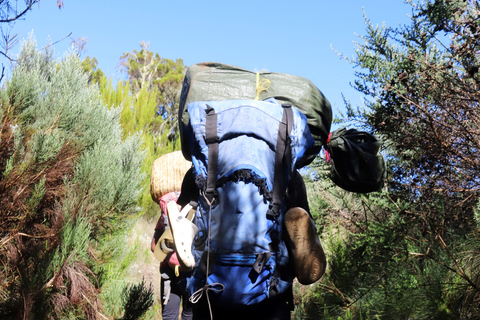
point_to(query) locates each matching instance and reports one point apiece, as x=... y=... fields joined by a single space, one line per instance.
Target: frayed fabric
x=243 y=175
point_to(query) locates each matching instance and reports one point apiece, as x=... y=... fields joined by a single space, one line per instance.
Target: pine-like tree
x=149 y=100
x=146 y=70
x=418 y=239
x=69 y=184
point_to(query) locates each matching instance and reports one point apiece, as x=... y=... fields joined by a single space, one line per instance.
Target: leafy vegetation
x=76 y=152
x=149 y=100
x=69 y=181
x=411 y=251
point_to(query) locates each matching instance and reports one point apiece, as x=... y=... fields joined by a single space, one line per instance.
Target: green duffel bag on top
x=216 y=81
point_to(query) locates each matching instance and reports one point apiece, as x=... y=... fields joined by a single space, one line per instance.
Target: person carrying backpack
x=308 y=259
x=172 y=289
x=251 y=233
x=245 y=171
x=165 y=184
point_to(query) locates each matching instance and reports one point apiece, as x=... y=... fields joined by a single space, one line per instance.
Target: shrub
x=69 y=184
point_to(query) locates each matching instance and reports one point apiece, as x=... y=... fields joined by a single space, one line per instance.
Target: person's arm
x=159 y=228
x=296 y=195
x=189 y=189
x=156 y=236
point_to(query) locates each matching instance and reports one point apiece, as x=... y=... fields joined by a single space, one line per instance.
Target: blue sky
x=292 y=37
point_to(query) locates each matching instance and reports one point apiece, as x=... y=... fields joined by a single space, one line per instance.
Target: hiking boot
x=308 y=256
x=183 y=231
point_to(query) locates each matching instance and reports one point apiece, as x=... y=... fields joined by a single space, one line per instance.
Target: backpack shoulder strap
x=282 y=157
x=283 y=160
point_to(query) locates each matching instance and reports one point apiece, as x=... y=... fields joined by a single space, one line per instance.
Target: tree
x=90 y=66
x=423 y=82
x=69 y=184
x=146 y=70
x=419 y=238
x=138 y=117
x=11 y=12
x=149 y=100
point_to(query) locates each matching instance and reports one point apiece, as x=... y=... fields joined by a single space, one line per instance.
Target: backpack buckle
x=260 y=261
x=210 y=140
x=273 y=212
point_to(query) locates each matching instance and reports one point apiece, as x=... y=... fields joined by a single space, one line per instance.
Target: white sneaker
x=183 y=232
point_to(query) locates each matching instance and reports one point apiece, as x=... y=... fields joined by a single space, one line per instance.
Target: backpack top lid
x=247 y=131
x=212 y=81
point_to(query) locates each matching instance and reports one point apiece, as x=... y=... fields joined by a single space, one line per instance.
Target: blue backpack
x=244 y=153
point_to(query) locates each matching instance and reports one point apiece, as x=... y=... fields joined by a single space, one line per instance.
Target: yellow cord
x=177 y=271
x=262 y=85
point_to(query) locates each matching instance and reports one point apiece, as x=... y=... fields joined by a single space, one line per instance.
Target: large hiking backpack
x=209 y=81
x=243 y=152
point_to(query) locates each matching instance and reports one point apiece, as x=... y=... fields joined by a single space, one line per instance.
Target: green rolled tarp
x=212 y=81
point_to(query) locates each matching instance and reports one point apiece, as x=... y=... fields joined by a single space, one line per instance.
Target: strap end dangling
x=327 y=154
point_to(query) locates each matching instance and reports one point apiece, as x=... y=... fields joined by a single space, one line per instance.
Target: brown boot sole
x=308 y=255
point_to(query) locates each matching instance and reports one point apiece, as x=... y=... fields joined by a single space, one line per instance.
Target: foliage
x=90 y=66
x=423 y=83
x=137 y=298
x=318 y=186
x=138 y=117
x=69 y=180
x=149 y=102
x=411 y=252
x=10 y=12
x=379 y=265
x=150 y=72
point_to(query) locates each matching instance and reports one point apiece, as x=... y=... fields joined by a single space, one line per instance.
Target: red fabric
x=171 y=259
x=327 y=154
x=160 y=224
x=164 y=200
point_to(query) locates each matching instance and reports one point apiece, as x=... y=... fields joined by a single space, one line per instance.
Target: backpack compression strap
x=283 y=158
x=211 y=138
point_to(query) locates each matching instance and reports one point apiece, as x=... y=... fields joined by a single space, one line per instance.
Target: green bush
x=69 y=183
x=385 y=262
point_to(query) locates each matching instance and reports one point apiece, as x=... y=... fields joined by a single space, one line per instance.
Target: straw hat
x=167 y=174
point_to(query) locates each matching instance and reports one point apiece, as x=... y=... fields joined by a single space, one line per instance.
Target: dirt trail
x=145 y=265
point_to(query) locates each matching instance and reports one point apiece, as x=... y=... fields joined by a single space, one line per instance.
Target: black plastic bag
x=357 y=164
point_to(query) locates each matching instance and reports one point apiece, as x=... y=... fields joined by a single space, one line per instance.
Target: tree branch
x=18 y=16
